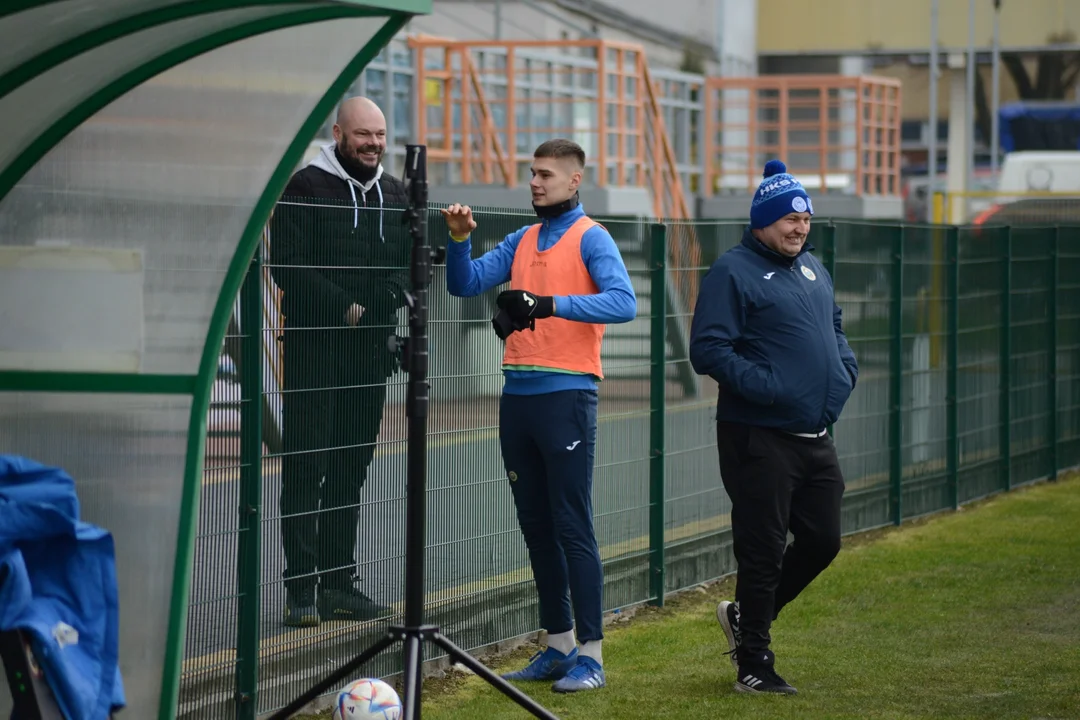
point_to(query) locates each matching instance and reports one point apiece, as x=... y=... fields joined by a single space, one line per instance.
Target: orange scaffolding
x=835 y=133
x=484 y=106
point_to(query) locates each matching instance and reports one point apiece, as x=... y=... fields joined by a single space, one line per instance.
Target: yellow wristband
x=455 y=238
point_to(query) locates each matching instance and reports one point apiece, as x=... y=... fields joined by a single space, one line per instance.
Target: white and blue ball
x=367 y=699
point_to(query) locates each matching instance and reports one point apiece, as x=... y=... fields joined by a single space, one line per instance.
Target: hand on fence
x=354 y=314
x=460 y=220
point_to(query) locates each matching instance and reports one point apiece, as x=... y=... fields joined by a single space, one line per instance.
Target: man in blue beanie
x=767 y=329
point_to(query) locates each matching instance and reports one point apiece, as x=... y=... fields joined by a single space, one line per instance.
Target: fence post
x=249 y=550
x=896 y=377
x=1005 y=361
x=828 y=256
x=938 y=216
x=1052 y=425
x=657 y=409
x=952 y=382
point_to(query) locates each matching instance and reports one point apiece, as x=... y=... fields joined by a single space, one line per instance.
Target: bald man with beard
x=339 y=253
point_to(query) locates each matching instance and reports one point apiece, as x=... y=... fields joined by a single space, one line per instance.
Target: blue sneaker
x=549 y=664
x=586 y=675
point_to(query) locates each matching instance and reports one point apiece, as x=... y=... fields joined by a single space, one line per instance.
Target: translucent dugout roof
x=143 y=145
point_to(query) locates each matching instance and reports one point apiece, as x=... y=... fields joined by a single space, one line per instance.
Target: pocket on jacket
x=777 y=385
x=762 y=390
x=839 y=394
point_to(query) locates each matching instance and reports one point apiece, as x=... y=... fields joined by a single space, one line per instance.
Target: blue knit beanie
x=776 y=196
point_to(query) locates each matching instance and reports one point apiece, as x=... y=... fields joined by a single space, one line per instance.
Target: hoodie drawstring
x=356 y=207
x=379 y=189
x=327 y=162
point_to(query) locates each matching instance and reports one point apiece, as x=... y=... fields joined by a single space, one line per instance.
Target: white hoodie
x=327 y=161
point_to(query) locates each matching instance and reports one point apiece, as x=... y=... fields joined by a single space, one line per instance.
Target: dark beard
x=357 y=170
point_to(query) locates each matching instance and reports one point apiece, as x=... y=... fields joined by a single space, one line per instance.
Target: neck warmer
x=552 y=211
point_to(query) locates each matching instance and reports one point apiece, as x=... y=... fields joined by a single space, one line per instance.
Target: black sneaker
x=349 y=604
x=300 y=609
x=762 y=679
x=728 y=615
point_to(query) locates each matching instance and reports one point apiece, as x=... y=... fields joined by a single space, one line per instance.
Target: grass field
x=974 y=614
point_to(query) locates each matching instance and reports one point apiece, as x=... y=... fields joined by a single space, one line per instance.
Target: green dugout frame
x=227 y=21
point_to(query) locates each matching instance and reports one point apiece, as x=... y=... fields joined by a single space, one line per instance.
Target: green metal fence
x=967 y=340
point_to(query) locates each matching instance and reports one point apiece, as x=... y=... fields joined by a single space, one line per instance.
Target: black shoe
x=349 y=604
x=728 y=615
x=762 y=679
x=300 y=609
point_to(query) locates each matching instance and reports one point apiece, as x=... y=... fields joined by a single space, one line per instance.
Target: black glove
x=505 y=325
x=522 y=304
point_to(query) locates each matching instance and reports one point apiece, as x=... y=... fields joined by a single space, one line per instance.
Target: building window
x=912 y=131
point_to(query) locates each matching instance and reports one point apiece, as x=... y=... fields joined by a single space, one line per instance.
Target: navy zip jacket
x=767 y=329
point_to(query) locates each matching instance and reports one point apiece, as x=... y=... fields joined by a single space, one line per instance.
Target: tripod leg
x=333 y=678
x=412 y=680
x=459 y=655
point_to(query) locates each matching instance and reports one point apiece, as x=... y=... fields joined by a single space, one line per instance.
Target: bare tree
x=1054 y=77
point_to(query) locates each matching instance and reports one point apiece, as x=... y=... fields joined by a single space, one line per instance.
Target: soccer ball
x=367 y=699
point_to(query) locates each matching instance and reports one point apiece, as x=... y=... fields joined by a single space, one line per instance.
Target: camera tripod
x=414 y=633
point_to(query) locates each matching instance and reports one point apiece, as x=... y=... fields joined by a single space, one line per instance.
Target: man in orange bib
x=567 y=280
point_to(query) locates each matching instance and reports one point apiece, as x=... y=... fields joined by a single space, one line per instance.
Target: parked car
x=917 y=194
x=1033 y=211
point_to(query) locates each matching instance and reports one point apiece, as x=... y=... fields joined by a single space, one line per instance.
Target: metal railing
x=998 y=407
x=840 y=134
x=680 y=96
x=486 y=105
x=482 y=107
x=835 y=133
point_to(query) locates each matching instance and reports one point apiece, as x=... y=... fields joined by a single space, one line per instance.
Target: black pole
x=414 y=632
x=416 y=409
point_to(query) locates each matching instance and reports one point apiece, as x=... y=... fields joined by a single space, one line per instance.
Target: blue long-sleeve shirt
x=614 y=303
x=767 y=329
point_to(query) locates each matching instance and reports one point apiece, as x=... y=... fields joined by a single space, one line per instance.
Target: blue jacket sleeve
x=616 y=301
x=466 y=277
x=847 y=355
x=719 y=319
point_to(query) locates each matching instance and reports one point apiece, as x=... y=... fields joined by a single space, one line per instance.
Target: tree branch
x=1047 y=75
x=1071 y=72
x=1014 y=64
